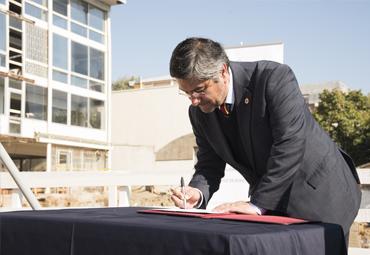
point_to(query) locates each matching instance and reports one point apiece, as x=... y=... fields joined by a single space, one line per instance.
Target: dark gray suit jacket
x=297 y=170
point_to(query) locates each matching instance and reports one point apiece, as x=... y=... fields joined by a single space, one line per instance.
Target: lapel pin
x=246 y=101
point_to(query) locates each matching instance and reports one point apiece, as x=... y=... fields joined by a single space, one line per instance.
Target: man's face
x=215 y=93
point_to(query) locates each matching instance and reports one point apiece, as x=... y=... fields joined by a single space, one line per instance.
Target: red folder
x=234 y=216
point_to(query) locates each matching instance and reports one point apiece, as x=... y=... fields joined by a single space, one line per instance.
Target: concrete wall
x=144 y=121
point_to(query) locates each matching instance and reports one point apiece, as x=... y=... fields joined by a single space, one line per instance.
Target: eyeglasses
x=193 y=94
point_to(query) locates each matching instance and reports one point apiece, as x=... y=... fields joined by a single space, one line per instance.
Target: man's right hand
x=192 y=197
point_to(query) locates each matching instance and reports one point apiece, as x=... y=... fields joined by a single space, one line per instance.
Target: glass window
x=77 y=29
x=60 y=22
x=59 y=110
x=60 y=52
x=14 y=126
x=15 y=84
x=15 y=105
x=96 y=18
x=60 y=76
x=96 y=86
x=78 y=82
x=15 y=23
x=96 y=36
x=2 y=91
x=2 y=2
x=15 y=39
x=2 y=60
x=36 y=12
x=60 y=6
x=96 y=64
x=78 y=111
x=79 y=11
x=2 y=32
x=79 y=58
x=41 y=2
x=33 y=165
x=36 y=102
x=97 y=114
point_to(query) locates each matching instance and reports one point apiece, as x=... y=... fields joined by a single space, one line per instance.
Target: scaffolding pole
x=17 y=177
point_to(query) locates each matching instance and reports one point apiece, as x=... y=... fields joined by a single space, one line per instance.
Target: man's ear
x=224 y=72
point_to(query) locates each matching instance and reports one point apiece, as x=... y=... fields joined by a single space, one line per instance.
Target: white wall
x=254 y=52
x=144 y=121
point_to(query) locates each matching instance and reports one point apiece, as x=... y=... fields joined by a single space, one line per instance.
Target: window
x=2 y=2
x=97 y=114
x=33 y=165
x=36 y=12
x=41 y=2
x=59 y=110
x=60 y=22
x=77 y=29
x=15 y=105
x=60 y=76
x=96 y=18
x=78 y=82
x=14 y=126
x=2 y=91
x=2 y=34
x=36 y=102
x=15 y=23
x=79 y=57
x=15 y=39
x=60 y=52
x=96 y=86
x=60 y=6
x=96 y=36
x=96 y=64
x=2 y=60
x=78 y=111
x=15 y=84
x=79 y=11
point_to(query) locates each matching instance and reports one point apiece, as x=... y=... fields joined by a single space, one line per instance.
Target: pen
x=183 y=191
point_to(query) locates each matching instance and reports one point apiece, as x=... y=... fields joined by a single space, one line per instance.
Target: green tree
x=346 y=118
x=122 y=83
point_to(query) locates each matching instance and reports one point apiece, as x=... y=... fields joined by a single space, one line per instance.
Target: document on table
x=175 y=209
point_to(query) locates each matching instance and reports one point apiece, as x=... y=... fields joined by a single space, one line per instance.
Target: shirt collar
x=230 y=98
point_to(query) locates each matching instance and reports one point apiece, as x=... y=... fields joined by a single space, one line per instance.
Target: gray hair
x=198 y=58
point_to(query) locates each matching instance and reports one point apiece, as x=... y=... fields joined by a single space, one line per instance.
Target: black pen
x=183 y=191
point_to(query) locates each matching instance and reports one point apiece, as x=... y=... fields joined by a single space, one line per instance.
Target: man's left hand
x=237 y=207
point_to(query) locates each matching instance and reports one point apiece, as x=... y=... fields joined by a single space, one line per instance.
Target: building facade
x=311 y=92
x=55 y=81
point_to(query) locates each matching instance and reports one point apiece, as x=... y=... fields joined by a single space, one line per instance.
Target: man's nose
x=195 y=100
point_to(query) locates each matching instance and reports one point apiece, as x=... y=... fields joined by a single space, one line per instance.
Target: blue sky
x=323 y=40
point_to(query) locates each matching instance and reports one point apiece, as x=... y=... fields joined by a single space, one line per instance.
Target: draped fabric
x=124 y=231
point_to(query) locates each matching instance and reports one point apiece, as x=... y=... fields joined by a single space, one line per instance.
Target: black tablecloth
x=124 y=231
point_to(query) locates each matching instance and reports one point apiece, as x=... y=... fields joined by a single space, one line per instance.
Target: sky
x=324 y=40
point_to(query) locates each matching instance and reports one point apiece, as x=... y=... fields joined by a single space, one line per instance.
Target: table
x=124 y=231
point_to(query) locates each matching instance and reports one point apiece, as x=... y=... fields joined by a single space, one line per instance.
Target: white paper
x=175 y=209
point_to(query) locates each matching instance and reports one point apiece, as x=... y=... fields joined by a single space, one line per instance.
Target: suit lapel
x=243 y=104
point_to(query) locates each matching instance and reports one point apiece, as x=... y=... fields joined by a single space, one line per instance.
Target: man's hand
x=192 y=197
x=237 y=207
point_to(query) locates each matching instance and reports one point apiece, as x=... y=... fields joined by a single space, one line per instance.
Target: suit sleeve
x=285 y=105
x=210 y=168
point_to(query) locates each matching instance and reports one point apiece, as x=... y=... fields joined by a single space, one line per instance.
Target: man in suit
x=267 y=133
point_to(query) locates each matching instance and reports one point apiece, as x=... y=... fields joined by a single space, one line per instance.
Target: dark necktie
x=225 y=108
